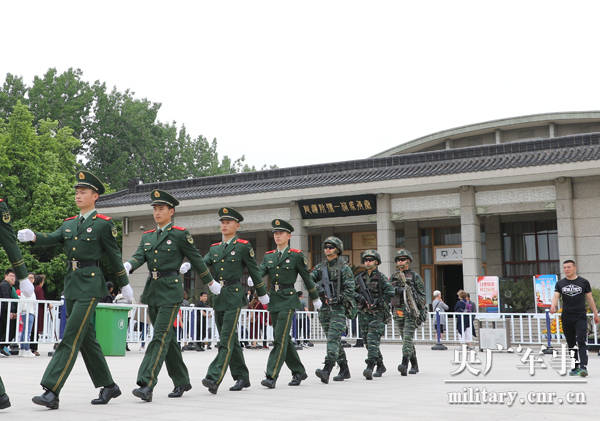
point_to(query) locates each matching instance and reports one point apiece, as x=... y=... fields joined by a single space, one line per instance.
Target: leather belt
x=79 y=264
x=155 y=274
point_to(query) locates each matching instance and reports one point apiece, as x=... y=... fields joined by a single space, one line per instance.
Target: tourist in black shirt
x=575 y=291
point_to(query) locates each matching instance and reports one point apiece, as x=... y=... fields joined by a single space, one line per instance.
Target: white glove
x=264 y=299
x=127 y=267
x=250 y=283
x=25 y=235
x=317 y=304
x=185 y=267
x=127 y=293
x=215 y=287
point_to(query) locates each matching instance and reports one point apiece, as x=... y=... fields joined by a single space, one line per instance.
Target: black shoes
x=47 y=399
x=414 y=365
x=239 y=385
x=324 y=373
x=344 y=372
x=106 y=394
x=269 y=382
x=178 y=391
x=297 y=379
x=4 y=401
x=380 y=369
x=144 y=393
x=210 y=385
x=368 y=372
x=359 y=343
x=403 y=366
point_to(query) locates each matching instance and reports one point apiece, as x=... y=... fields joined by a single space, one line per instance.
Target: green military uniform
x=282 y=269
x=164 y=250
x=9 y=244
x=86 y=241
x=409 y=311
x=375 y=316
x=227 y=261
x=335 y=310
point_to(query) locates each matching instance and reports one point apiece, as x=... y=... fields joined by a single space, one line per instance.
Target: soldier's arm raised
x=48 y=239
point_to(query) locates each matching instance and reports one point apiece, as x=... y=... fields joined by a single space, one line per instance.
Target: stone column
x=299 y=240
x=564 y=219
x=386 y=233
x=411 y=242
x=471 y=239
x=493 y=244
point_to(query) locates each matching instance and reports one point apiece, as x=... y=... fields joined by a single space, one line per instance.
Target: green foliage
x=36 y=169
x=517 y=296
x=120 y=136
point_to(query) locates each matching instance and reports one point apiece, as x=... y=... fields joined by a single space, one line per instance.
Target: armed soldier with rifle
x=373 y=295
x=335 y=284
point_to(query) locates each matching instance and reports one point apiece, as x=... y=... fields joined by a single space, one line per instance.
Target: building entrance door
x=449 y=281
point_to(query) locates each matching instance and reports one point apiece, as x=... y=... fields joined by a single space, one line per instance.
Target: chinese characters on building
x=338 y=206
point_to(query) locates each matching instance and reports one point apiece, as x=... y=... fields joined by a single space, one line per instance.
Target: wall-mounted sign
x=445 y=255
x=331 y=207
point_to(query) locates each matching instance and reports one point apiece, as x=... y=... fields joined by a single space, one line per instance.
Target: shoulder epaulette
x=216 y=244
x=239 y=240
x=296 y=250
x=178 y=228
x=106 y=218
x=270 y=251
x=71 y=217
x=146 y=232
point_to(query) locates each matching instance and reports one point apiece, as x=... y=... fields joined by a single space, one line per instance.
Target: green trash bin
x=111 y=328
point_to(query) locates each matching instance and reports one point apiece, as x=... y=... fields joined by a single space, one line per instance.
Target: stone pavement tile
x=423 y=396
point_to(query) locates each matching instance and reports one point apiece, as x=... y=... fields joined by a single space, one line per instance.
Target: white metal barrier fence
x=197 y=324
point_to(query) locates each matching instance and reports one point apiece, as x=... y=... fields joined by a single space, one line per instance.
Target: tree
x=36 y=168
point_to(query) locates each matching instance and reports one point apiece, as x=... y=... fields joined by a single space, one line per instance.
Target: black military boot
x=344 y=372
x=359 y=343
x=211 y=385
x=4 y=401
x=324 y=373
x=380 y=368
x=239 y=385
x=368 y=372
x=403 y=366
x=47 y=399
x=414 y=366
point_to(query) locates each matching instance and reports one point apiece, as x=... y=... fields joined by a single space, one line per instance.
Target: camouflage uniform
x=376 y=316
x=333 y=314
x=404 y=318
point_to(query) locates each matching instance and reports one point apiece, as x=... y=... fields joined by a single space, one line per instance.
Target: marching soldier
x=283 y=265
x=373 y=294
x=336 y=287
x=87 y=238
x=9 y=244
x=164 y=249
x=409 y=307
x=227 y=259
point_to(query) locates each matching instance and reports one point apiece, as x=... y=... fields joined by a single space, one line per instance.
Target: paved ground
x=425 y=395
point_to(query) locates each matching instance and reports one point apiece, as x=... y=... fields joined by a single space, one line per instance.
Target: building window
x=530 y=248
x=400 y=240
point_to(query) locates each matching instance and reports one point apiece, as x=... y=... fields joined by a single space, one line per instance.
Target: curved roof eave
x=487 y=126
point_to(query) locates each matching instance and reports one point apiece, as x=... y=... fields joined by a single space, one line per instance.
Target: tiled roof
x=422 y=164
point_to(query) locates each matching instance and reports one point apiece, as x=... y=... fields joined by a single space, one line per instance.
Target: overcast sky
x=296 y=83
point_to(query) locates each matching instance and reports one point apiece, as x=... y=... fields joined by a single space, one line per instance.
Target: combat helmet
x=404 y=253
x=370 y=253
x=334 y=241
